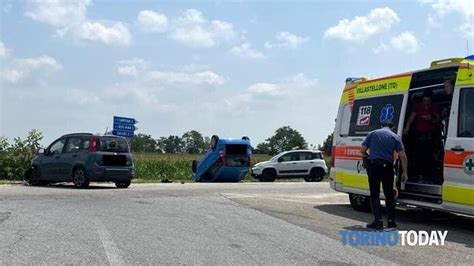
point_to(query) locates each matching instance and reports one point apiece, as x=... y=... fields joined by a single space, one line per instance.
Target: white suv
x=299 y=163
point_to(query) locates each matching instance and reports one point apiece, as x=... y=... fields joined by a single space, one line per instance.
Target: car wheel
x=316 y=175
x=360 y=202
x=214 y=140
x=194 y=166
x=268 y=175
x=123 y=184
x=33 y=177
x=79 y=178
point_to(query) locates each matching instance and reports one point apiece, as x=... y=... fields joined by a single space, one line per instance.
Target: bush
x=15 y=158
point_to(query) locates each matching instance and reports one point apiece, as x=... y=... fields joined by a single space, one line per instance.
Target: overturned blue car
x=228 y=160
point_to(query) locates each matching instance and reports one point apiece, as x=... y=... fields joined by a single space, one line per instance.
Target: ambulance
x=440 y=163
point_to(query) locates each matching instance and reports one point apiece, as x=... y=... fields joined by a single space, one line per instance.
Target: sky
x=230 y=68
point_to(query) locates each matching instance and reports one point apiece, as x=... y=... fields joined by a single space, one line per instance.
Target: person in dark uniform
x=378 y=149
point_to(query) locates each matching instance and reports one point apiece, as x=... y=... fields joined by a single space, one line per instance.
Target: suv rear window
x=113 y=144
x=238 y=149
x=236 y=155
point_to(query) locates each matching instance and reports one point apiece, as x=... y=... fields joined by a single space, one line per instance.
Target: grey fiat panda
x=81 y=158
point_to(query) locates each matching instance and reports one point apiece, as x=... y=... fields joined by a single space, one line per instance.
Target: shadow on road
x=70 y=186
x=460 y=228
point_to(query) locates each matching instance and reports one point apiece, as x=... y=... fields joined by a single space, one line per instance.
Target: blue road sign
x=127 y=134
x=124 y=126
x=125 y=120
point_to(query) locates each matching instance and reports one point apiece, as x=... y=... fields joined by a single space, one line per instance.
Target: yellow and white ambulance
x=440 y=174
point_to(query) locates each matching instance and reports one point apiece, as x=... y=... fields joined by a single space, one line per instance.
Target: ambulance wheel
x=360 y=202
x=194 y=166
x=268 y=175
x=214 y=140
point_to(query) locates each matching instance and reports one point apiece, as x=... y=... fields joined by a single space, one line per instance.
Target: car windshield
x=113 y=144
x=275 y=157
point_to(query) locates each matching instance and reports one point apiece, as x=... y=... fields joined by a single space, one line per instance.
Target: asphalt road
x=217 y=224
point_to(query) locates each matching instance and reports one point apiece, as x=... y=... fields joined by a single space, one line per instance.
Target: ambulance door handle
x=457 y=149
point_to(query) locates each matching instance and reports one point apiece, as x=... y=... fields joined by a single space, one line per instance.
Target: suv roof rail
x=77 y=134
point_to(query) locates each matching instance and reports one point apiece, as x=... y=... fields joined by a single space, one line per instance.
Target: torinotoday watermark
x=357 y=238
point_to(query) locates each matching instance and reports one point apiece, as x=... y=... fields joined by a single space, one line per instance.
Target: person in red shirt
x=425 y=117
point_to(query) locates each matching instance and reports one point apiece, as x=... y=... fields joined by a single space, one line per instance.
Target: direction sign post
x=124 y=126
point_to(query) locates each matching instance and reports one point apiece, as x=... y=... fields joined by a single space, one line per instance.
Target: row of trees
x=193 y=142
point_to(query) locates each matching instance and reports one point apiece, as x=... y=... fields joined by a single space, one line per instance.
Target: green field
x=156 y=167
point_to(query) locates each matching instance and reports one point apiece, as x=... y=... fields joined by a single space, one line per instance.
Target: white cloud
x=463 y=7
x=57 y=13
x=115 y=33
x=360 y=28
x=287 y=40
x=69 y=18
x=194 y=78
x=245 y=50
x=132 y=67
x=189 y=75
x=405 y=42
x=287 y=89
x=83 y=97
x=150 y=21
x=21 y=69
x=269 y=89
x=3 y=50
x=195 y=67
x=194 y=30
x=444 y=7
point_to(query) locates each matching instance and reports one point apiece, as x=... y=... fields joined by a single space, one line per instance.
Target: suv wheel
x=316 y=175
x=123 y=184
x=33 y=177
x=79 y=178
x=360 y=202
x=268 y=175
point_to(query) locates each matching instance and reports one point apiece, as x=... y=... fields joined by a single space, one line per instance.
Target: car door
x=51 y=163
x=287 y=164
x=458 y=184
x=70 y=157
x=306 y=162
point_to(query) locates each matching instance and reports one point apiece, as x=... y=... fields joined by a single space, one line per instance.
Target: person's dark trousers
x=381 y=171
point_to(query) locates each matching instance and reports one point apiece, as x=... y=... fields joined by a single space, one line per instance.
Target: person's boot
x=376 y=224
x=391 y=224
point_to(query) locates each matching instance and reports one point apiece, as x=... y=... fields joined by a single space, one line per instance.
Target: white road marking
x=111 y=250
x=286 y=197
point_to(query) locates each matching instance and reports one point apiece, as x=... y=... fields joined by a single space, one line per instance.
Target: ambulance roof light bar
x=447 y=62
